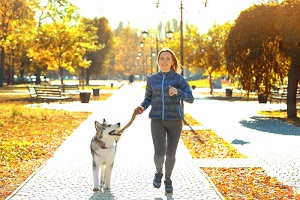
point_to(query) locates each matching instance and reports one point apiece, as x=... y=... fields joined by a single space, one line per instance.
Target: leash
x=135 y=113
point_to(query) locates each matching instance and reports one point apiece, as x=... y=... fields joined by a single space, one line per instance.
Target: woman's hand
x=139 y=110
x=172 y=90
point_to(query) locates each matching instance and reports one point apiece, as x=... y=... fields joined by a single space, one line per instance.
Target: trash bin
x=96 y=93
x=228 y=92
x=262 y=98
x=85 y=97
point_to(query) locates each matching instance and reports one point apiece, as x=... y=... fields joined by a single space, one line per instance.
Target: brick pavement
x=270 y=144
x=68 y=174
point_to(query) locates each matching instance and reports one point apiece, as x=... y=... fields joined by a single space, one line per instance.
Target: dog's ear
x=97 y=126
x=104 y=120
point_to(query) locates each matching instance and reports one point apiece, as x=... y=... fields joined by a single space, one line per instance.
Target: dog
x=103 y=149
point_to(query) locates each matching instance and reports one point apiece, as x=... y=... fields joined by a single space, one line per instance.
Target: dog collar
x=100 y=143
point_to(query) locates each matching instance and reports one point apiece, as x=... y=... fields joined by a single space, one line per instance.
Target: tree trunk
x=38 y=72
x=87 y=77
x=211 y=84
x=22 y=73
x=61 y=73
x=2 y=67
x=293 y=79
x=82 y=78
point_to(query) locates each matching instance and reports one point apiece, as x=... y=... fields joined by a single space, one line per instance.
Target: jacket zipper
x=163 y=97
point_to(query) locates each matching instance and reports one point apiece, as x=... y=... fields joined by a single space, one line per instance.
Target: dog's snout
x=119 y=124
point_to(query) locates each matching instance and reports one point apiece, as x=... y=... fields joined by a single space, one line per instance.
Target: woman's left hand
x=172 y=90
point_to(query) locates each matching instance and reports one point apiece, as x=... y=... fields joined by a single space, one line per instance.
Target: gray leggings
x=165 y=136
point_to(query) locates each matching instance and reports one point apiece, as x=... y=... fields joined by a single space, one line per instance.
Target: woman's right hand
x=139 y=109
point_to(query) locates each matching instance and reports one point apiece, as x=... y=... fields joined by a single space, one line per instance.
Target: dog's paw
x=107 y=188
x=96 y=189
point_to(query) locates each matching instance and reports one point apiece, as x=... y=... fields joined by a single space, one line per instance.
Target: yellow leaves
x=28 y=137
x=249 y=183
x=189 y=120
x=282 y=115
x=206 y=144
x=233 y=183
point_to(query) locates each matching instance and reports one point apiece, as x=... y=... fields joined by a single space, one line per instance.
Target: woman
x=164 y=92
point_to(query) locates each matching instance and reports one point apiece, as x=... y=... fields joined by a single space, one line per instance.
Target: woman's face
x=165 y=61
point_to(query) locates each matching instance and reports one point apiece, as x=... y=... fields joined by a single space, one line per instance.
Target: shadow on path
x=270 y=125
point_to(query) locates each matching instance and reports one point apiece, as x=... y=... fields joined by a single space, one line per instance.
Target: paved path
x=270 y=144
x=68 y=174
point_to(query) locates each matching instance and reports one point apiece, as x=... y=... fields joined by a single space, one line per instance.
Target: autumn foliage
x=249 y=183
x=28 y=138
x=233 y=183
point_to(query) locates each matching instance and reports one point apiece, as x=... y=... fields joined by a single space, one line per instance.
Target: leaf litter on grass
x=29 y=137
x=233 y=183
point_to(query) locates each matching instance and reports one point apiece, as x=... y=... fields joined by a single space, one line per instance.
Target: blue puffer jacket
x=164 y=106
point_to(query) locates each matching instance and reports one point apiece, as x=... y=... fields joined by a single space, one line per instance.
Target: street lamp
x=181 y=31
x=152 y=54
x=181 y=35
x=139 y=54
x=169 y=35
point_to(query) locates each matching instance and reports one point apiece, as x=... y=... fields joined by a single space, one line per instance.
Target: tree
x=62 y=43
x=100 y=58
x=263 y=48
x=252 y=52
x=212 y=52
x=13 y=14
x=126 y=50
x=289 y=39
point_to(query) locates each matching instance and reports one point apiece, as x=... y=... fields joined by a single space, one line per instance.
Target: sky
x=143 y=14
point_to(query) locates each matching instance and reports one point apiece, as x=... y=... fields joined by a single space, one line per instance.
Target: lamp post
x=142 y=44
x=169 y=35
x=143 y=64
x=181 y=38
x=181 y=34
x=181 y=31
x=141 y=70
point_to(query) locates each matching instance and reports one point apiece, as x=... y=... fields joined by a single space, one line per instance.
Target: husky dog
x=103 y=149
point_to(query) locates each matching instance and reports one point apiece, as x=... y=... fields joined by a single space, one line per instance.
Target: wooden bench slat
x=50 y=93
x=70 y=89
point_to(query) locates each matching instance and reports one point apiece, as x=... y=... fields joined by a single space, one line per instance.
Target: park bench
x=31 y=90
x=70 y=90
x=50 y=93
x=280 y=95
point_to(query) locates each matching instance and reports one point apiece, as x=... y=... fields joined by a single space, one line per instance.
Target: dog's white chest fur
x=104 y=155
x=103 y=149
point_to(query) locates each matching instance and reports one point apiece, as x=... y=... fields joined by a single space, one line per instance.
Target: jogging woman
x=165 y=91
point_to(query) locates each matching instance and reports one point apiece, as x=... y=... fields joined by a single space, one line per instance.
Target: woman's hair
x=176 y=67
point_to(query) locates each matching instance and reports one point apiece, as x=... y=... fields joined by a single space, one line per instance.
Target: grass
x=204 y=83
